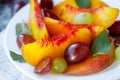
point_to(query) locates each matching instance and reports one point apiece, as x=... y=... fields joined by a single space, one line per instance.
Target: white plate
x=110 y=73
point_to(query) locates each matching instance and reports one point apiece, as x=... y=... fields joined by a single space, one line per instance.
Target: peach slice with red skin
x=56 y=27
x=55 y=46
x=92 y=64
x=37 y=25
x=102 y=16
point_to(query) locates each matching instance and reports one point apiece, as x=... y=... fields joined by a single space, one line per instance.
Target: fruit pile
x=69 y=37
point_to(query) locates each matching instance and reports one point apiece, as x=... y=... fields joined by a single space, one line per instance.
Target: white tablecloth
x=7 y=70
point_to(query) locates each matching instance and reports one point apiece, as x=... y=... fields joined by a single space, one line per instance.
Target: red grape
x=6 y=1
x=47 y=4
x=115 y=29
x=48 y=13
x=23 y=39
x=43 y=66
x=76 y=52
x=117 y=42
x=18 y=6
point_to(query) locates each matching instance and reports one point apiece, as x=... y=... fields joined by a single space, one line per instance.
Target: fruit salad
x=73 y=37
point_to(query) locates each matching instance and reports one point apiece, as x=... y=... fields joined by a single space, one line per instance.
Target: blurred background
x=8 y=8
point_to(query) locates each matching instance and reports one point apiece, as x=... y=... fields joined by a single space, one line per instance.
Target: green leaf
x=17 y=57
x=101 y=44
x=83 y=3
x=22 y=28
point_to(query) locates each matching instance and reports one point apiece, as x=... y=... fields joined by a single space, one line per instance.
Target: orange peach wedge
x=55 y=46
x=92 y=64
x=37 y=25
x=103 y=16
x=56 y=27
x=97 y=4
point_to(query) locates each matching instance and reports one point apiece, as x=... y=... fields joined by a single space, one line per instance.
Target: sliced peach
x=56 y=27
x=55 y=46
x=97 y=3
x=37 y=24
x=103 y=16
x=92 y=64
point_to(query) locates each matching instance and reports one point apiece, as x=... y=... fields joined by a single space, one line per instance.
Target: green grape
x=59 y=65
x=117 y=53
x=83 y=18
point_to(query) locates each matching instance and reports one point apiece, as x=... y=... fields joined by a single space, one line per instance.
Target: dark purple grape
x=43 y=66
x=48 y=13
x=18 y=6
x=6 y=1
x=47 y=4
x=115 y=29
x=77 y=53
x=117 y=42
x=23 y=39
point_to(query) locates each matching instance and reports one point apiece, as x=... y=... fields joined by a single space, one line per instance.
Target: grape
x=17 y=7
x=44 y=66
x=59 y=65
x=6 y=1
x=47 y=4
x=115 y=29
x=117 y=42
x=48 y=13
x=76 y=53
x=117 y=53
x=23 y=39
x=83 y=18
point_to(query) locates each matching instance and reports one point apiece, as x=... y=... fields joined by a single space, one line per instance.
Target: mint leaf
x=101 y=44
x=22 y=28
x=83 y=3
x=17 y=57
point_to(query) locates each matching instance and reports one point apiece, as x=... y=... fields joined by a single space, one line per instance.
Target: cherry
x=43 y=66
x=47 y=4
x=23 y=39
x=18 y=6
x=48 y=13
x=76 y=53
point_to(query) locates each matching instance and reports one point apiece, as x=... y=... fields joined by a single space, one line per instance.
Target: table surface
x=7 y=70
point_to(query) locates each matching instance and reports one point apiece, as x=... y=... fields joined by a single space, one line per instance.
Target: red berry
x=47 y=4
x=48 y=13
x=76 y=53
x=18 y=6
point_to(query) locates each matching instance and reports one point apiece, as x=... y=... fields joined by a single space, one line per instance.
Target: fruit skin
x=46 y=4
x=23 y=39
x=37 y=24
x=55 y=46
x=100 y=15
x=92 y=64
x=44 y=66
x=115 y=29
x=59 y=65
x=97 y=4
x=18 y=6
x=76 y=53
x=56 y=27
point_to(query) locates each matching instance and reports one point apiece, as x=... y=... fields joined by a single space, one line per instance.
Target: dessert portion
x=69 y=38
